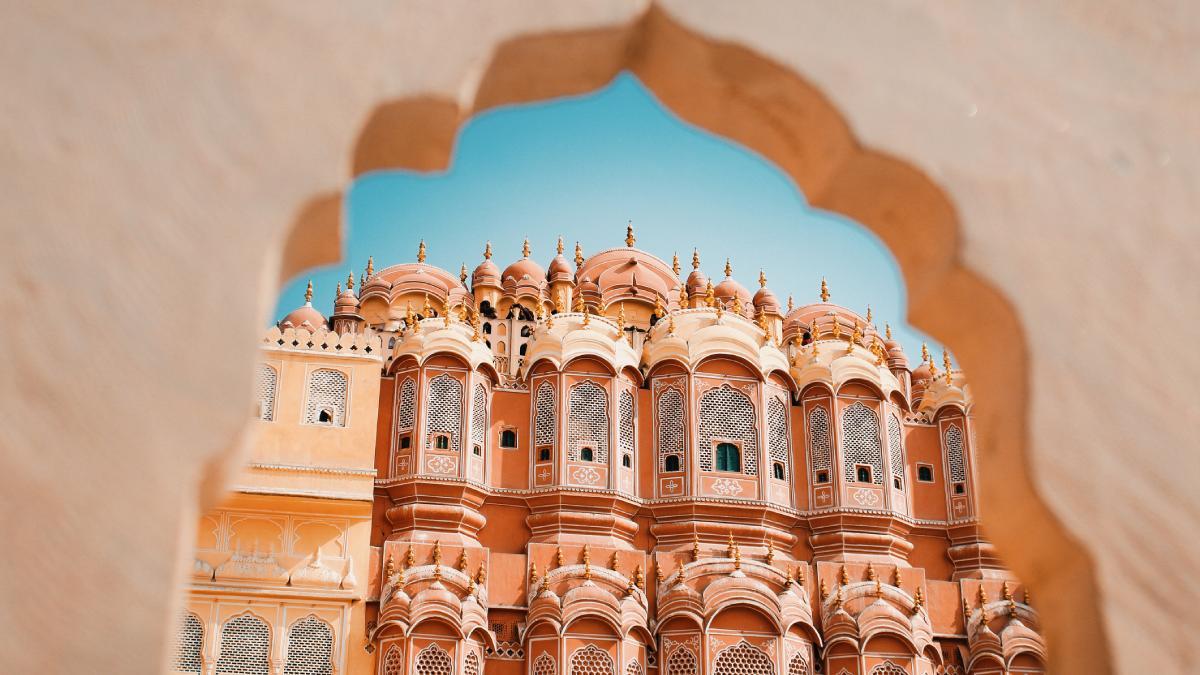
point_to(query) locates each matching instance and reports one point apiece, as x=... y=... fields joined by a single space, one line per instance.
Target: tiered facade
x=601 y=468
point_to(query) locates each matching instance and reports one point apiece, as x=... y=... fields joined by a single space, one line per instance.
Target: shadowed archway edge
x=740 y=95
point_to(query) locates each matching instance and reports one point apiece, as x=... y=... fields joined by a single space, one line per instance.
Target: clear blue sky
x=581 y=167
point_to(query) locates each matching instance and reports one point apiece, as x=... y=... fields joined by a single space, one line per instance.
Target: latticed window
x=633 y=668
x=587 y=421
x=860 y=442
x=888 y=668
x=727 y=413
x=266 y=385
x=189 y=644
x=591 y=660
x=742 y=659
x=393 y=663
x=326 y=398
x=471 y=664
x=670 y=429
x=954 y=454
x=818 y=432
x=544 y=665
x=682 y=662
x=245 y=646
x=544 y=418
x=797 y=666
x=777 y=433
x=895 y=450
x=444 y=404
x=625 y=432
x=407 y=415
x=309 y=648
x=479 y=416
x=433 y=660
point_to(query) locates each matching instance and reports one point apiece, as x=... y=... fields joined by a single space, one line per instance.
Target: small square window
x=508 y=439
x=896 y=483
x=924 y=473
x=822 y=476
x=862 y=473
x=543 y=454
x=671 y=463
x=587 y=454
x=960 y=488
x=478 y=451
x=441 y=442
x=405 y=442
x=778 y=471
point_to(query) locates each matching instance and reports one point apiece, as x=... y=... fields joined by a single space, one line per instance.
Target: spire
x=925 y=354
x=421 y=252
x=658 y=306
x=427 y=309
x=671 y=324
x=771 y=555
x=462 y=274
x=630 y=240
x=578 y=255
x=683 y=296
x=887 y=330
x=675 y=264
x=695 y=258
x=487 y=251
x=533 y=573
x=869 y=315
x=918 y=601
x=362 y=281
x=560 y=244
x=695 y=547
x=844 y=577
x=946 y=365
x=824 y=290
x=525 y=248
x=871 y=576
x=337 y=291
x=762 y=279
x=410 y=558
x=587 y=563
x=370 y=266
x=791 y=303
x=558 y=557
x=350 y=281
x=728 y=269
x=709 y=298
x=308 y=293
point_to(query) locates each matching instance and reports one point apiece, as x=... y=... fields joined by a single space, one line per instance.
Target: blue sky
x=583 y=166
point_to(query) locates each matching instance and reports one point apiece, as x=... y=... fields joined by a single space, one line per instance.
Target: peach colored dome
x=525 y=267
x=416 y=278
x=346 y=303
x=729 y=287
x=560 y=269
x=765 y=300
x=300 y=316
x=487 y=274
x=697 y=282
x=629 y=273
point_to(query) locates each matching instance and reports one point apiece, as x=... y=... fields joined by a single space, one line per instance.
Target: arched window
x=627 y=461
x=742 y=659
x=486 y=309
x=955 y=455
x=543 y=422
x=726 y=413
x=625 y=429
x=544 y=665
x=479 y=418
x=633 y=668
x=526 y=331
x=524 y=346
x=267 y=381
x=433 y=660
x=471 y=664
x=487 y=328
x=888 y=668
x=860 y=443
x=924 y=473
x=393 y=663
x=443 y=421
x=729 y=457
x=682 y=662
x=508 y=439
x=544 y=455
x=671 y=427
x=245 y=647
x=309 y=648
x=818 y=435
x=587 y=421
x=895 y=451
x=407 y=413
x=777 y=435
x=591 y=660
x=586 y=454
x=326 y=398
x=189 y=644
x=798 y=666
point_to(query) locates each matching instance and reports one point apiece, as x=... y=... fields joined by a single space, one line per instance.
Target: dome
x=764 y=299
x=306 y=316
x=697 y=282
x=525 y=267
x=487 y=274
x=346 y=302
x=629 y=274
x=730 y=288
x=560 y=269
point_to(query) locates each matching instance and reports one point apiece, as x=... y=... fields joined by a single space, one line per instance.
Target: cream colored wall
x=1063 y=135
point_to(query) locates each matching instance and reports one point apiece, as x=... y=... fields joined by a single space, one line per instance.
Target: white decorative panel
x=860 y=442
x=727 y=413
x=777 y=433
x=407 y=415
x=587 y=421
x=326 y=392
x=444 y=410
x=670 y=427
x=544 y=417
x=818 y=430
x=265 y=385
x=591 y=660
x=954 y=454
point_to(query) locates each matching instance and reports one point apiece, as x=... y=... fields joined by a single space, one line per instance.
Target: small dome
x=697 y=281
x=487 y=274
x=346 y=303
x=305 y=317
x=729 y=288
x=525 y=267
x=560 y=269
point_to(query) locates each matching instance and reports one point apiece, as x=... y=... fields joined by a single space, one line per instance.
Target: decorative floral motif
x=585 y=475
x=441 y=464
x=866 y=497
x=726 y=487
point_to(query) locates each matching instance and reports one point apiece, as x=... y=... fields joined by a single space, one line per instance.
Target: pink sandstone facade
x=603 y=467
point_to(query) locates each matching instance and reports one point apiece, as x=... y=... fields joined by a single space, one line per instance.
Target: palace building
x=600 y=467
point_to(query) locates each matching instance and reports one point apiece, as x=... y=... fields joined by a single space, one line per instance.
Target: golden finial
x=1006 y=591
x=728 y=269
x=560 y=244
x=410 y=558
x=966 y=610
x=898 y=581
x=878 y=588
x=925 y=354
x=427 y=309
x=683 y=296
x=629 y=587
x=546 y=582
x=587 y=318
x=462 y=274
x=837 y=329
x=463 y=563
x=857 y=335
x=389 y=569
x=470 y=585
x=680 y=573
x=560 y=303
x=630 y=240
x=871 y=576
x=540 y=313
x=869 y=315
x=1026 y=599
x=549 y=321
x=587 y=563
x=615 y=563
x=421 y=252
x=437 y=552
x=558 y=557
x=578 y=255
x=337 y=291
x=844 y=578
x=710 y=298
x=1012 y=608
x=737 y=557
x=732 y=544
x=737 y=304
x=370 y=266
x=410 y=320
x=475 y=336
x=675 y=264
x=790 y=573
x=362 y=281
x=837 y=599
x=791 y=303
x=946 y=365
x=695 y=258
x=658 y=573
x=350 y=281
x=878 y=352
x=800 y=574
x=639 y=577
x=447 y=311
x=720 y=311
x=671 y=325
x=824 y=591
x=525 y=248
x=621 y=320
x=982 y=595
x=887 y=330
x=771 y=553
x=308 y=293
x=762 y=279
x=487 y=251
x=696 y=546
x=579 y=307
x=824 y=290
x=533 y=574
x=481 y=574
x=918 y=601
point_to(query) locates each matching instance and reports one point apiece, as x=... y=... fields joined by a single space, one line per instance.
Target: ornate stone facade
x=606 y=467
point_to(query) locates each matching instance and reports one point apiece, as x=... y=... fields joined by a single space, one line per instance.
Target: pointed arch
x=433 y=660
x=189 y=644
x=743 y=658
x=587 y=421
x=245 y=646
x=444 y=405
x=860 y=442
x=591 y=660
x=727 y=413
x=309 y=648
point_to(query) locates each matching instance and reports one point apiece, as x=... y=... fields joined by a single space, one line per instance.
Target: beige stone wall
x=156 y=158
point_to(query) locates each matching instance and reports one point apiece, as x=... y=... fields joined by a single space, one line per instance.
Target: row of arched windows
x=325 y=396
x=245 y=647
